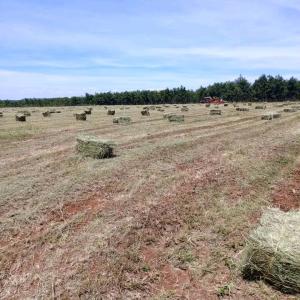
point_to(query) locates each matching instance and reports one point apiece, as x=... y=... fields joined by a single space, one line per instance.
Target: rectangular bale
x=176 y=118
x=90 y=146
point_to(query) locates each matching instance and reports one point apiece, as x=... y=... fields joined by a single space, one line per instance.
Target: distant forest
x=265 y=88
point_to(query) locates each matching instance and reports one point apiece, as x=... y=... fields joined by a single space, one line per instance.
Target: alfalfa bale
x=215 y=112
x=122 y=120
x=272 y=250
x=242 y=109
x=111 y=112
x=271 y=116
x=88 y=111
x=80 y=116
x=145 y=112
x=260 y=107
x=20 y=117
x=176 y=118
x=289 y=110
x=46 y=113
x=90 y=146
x=166 y=116
x=297 y=107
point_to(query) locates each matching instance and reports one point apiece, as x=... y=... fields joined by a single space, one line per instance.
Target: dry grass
x=166 y=218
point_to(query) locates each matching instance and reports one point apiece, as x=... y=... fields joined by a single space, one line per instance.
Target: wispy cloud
x=50 y=47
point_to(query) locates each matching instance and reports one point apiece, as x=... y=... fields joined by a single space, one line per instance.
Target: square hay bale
x=207 y=105
x=289 y=110
x=111 y=112
x=122 y=120
x=160 y=109
x=260 y=107
x=297 y=107
x=1 y=114
x=176 y=118
x=152 y=107
x=225 y=104
x=215 y=112
x=271 y=116
x=184 y=109
x=272 y=250
x=166 y=116
x=242 y=109
x=145 y=112
x=249 y=104
x=46 y=114
x=80 y=116
x=90 y=146
x=20 y=117
x=88 y=111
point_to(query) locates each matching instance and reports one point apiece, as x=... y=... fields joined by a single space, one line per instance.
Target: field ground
x=166 y=218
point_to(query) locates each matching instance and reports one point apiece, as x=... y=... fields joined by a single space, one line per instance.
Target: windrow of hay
x=271 y=116
x=215 y=112
x=122 y=120
x=90 y=146
x=273 y=250
x=80 y=116
x=20 y=117
x=176 y=118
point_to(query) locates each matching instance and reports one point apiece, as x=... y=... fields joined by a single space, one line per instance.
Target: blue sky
x=69 y=47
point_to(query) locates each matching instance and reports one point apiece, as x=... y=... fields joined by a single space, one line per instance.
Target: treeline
x=265 y=88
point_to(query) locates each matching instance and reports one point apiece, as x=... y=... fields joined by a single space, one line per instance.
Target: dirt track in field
x=167 y=217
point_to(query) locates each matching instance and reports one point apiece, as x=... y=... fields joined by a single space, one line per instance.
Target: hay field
x=166 y=218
